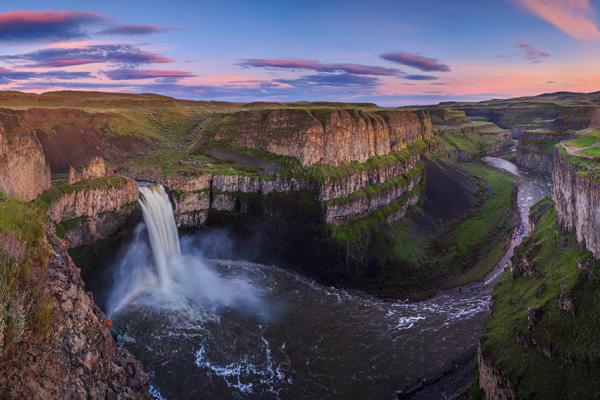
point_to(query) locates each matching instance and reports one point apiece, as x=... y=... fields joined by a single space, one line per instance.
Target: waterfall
x=162 y=230
x=159 y=273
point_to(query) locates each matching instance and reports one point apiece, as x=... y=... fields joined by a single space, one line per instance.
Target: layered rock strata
x=576 y=195
x=325 y=136
x=534 y=150
x=94 y=210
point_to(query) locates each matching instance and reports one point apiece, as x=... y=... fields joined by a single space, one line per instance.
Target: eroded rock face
x=577 y=202
x=342 y=210
x=92 y=213
x=534 y=150
x=24 y=172
x=77 y=358
x=94 y=170
x=334 y=188
x=326 y=136
x=194 y=197
x=492 y=379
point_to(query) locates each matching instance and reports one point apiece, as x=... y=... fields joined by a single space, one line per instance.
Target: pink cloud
x=132 y=74
x=573 y=17
x=134 y=29
x=45 y=25
x=532 y=53
x=296 y=64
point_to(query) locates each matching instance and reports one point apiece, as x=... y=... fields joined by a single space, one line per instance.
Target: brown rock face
x=577 y=202
x=326 y=136
x=93 y=213
x=492 y=380
x=24 y=172
x=72 y=137
x=346 y=209
x=94 y=170
x=77 y=358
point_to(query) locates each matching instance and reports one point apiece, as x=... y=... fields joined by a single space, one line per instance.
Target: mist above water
x=167 y=274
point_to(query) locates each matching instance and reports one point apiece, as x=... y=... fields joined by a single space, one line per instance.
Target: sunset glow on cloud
x=574 y=17
x=278 y=51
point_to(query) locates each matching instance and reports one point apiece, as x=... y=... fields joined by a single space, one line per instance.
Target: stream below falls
x=218 y=329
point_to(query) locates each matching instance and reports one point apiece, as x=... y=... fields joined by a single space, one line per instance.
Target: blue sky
x=391 y=53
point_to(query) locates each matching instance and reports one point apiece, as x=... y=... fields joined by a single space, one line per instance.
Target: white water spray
x=162 y=231
x=163 y=275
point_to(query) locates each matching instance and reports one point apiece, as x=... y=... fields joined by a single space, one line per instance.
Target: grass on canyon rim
x=557 y=356
x=57 y=190
x=23 y=257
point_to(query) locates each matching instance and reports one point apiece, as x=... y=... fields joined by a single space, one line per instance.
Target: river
x=220 y=329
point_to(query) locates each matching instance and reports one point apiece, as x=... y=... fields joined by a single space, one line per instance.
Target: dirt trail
x=576 y=151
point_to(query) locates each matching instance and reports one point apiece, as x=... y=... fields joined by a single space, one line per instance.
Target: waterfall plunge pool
x=219 y=329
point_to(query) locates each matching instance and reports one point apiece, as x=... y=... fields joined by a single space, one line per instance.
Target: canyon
x=367 y=189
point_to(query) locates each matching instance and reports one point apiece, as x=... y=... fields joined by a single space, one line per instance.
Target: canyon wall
x=325 y=136
x=24 y=172
x=363 y=202
x=535 y=150
x=76 y=357
x=92 y=210
x=576 y=194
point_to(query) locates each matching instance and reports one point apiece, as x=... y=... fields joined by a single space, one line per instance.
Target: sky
x=400 y=52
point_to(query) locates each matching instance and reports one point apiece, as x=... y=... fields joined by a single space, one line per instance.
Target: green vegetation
x=471 y=139
x=559 y=350
x=588 y=167
x=592 y=152
x=322 y=173
x=584 y=141
x=540 y=141
x=23 y=258
x=351 y=235
x=453 y=255
x=371 y=191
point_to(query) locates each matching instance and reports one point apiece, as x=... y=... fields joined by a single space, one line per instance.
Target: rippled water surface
x=298 y=339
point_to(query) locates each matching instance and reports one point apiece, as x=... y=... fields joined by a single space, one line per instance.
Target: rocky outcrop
x=576 y=195
x=492 y=379
x=94 y=170
x=24 y=172
x=324 y=136
x=361 y=203
x=534 y=150
x=336 y=187
x=85 y=213
x=77 y=358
